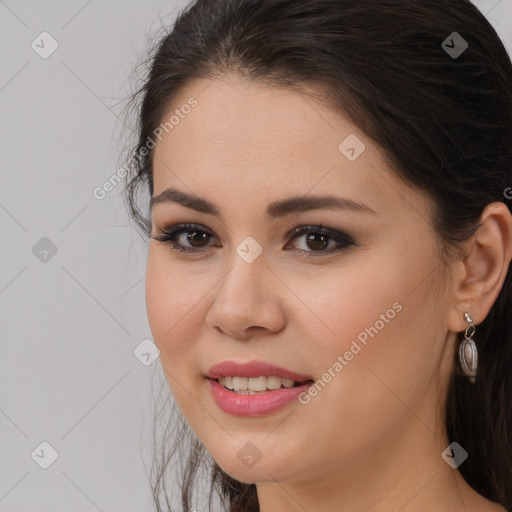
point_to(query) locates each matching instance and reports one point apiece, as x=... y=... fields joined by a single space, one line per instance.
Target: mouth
x=254 y=388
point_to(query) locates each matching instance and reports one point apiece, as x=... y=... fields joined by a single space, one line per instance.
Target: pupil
x=193 y=234
x=311 y=238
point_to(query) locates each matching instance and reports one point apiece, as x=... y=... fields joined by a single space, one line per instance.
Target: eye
x=318 y=239
x=169 y=235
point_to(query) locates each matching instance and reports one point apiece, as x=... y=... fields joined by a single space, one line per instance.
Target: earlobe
x=481 y=273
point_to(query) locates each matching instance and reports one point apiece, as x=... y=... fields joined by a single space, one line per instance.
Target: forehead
x=250 y=141
x=235 y=117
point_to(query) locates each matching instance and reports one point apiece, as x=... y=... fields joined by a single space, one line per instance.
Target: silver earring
x=468 y=353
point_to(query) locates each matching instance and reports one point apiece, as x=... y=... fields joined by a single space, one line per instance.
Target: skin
x=372 y=439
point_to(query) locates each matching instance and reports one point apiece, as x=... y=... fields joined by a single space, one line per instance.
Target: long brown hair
x=443 y=120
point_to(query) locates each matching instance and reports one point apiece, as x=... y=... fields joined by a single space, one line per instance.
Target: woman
x=330 y=237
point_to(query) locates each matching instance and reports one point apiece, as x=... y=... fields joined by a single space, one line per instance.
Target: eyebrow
x=274 y=210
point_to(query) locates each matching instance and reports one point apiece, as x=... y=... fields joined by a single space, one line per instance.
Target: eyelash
x=168 y=235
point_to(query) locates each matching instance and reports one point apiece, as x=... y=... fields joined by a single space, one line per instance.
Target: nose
x=247 y=301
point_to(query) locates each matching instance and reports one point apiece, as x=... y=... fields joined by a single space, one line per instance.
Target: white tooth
x=273 y=382
x=239 y=383
x=257 y=383
x=254 y=385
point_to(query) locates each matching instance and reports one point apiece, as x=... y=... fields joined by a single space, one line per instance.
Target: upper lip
x=253 y=369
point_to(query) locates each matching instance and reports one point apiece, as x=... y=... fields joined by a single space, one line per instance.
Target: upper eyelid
x=183 y=227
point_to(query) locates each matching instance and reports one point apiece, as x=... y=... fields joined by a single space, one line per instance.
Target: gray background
x=71 y=321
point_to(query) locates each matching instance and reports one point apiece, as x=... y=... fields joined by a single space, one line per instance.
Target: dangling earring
x=468 y=353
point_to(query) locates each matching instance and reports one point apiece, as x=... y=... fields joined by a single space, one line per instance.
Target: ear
x=479 y=275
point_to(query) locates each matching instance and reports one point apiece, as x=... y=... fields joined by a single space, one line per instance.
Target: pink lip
x=261 y=403
x=253 y=369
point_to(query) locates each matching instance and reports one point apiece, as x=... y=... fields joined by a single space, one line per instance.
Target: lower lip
x=254 y=405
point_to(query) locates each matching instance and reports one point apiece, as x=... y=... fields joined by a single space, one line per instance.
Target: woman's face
x=359 y=311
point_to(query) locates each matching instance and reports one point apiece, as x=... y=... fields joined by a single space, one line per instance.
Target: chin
x=244 y=462
x=259 y=473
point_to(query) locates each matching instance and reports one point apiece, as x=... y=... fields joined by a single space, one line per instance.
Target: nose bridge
x=244 y=297
x=244 y=281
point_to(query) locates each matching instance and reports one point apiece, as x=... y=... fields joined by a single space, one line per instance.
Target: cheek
x=172 y=302
x=172 y=311
x=351 y=305
x=385 y=303
x=380 y=324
